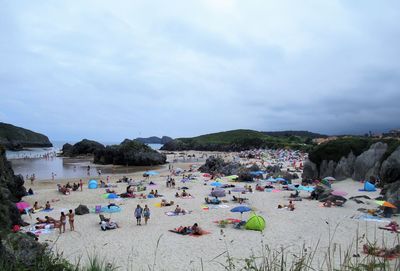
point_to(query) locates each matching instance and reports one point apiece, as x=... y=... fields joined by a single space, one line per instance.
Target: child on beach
x=146 y=214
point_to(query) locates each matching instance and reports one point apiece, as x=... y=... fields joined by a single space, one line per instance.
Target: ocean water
x=44 y=163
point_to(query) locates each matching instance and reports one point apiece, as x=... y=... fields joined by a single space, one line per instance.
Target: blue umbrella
x=216 y=184
x=279 y=179
x=241 y=209
x=112 y=196
x=256 y=173
x=238 y=189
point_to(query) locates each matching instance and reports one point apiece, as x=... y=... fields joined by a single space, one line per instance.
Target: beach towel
x=47 y=210
x=366 y=217
x=272 y=190
x=187 y=197
x=172 y=213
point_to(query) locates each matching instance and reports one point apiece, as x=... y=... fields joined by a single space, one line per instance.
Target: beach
x=154 y=247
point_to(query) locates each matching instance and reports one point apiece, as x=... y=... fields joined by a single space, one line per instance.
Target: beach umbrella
x=280 y=179
x=22 y=205
x=385 y=204
x=109 y=196
x=338 y=193
x=329 y=178
x=216 y=184
x=241 y=209
x=184 y=180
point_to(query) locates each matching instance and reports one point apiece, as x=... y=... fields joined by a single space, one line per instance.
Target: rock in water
x=368 y=163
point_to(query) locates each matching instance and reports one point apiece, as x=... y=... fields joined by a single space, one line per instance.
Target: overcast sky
x=109 y=70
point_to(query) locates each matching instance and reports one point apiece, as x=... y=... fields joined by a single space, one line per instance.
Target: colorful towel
x=47 y=210
x=172 y=213
x=371 y=218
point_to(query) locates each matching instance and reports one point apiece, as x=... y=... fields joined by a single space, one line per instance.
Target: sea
x=46 y=165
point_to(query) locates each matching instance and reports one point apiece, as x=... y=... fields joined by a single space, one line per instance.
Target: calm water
x=43 y=163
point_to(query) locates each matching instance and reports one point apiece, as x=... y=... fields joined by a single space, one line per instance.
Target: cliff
x=359 y=159
x=17 y=138
x=83 y=147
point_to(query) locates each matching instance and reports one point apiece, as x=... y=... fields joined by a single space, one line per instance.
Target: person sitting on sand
x=30 y=191
x=177 y=195
x=295 y=195
x=183 y=230
x=178 y=209
x=152 y=192
x=68 y=185
x=196 y=229
x=109 y=225
x=156 y=194
x=75 y=187
x=36 y=206
x=291 y=206
x=184 y=193
x=47 y=206
x=327 y=203
x=165 y=203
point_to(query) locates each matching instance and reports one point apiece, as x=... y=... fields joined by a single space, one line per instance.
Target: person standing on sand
x=138 y=215
x=71 y=218
x=81 y=184
x=63 y=220
x=146 y=214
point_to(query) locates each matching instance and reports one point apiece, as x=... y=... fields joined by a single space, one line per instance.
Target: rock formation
x=84 y=147
x=129 y=153
x=154 y=140
x=17 y=138
x=368 y=163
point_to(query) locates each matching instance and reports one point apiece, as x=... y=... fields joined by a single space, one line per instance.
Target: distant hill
x=154 y=140
x=304 y=134
x=237 y=140
x=17 y=138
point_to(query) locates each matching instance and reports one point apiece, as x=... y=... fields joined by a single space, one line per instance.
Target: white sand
x=133 y=247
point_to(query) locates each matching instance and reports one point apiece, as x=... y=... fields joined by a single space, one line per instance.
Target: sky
x=109 y=70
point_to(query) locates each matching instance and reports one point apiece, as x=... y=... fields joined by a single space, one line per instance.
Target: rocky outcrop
x=391 y=193
x=129 y=153
x=11 y=191
x=380 y=160
x=368 y=163
x=390 y=169
x=327 y=168
x=17 y=138
x=345 y=167
x=310 y=171
x=84 y=147
x=215 y=165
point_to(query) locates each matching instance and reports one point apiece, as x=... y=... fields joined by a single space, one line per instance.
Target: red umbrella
x=22 y=205
x=207 y=175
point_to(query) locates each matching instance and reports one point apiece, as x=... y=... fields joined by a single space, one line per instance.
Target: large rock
x=390 y=170
x=368 y=163
x=310 y=171
x=17 y=138
x=129 y=153
x=84 y=147
x=345 y=167
x=218 y=165
x=391 y=193
x=81 y=210
x=327 y=169
x=11 y=191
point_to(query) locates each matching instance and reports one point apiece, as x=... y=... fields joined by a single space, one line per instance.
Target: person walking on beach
x=138 y=215
x=71 y=218
x=146 y=214
x=81 y=184
x=63 y=220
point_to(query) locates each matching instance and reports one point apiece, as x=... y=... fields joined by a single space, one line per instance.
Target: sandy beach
x=133 y=247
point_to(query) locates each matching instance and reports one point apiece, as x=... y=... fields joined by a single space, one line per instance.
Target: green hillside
x=237 y=140
x=13 y=137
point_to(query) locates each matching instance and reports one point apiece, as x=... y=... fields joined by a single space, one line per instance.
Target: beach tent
x=93 y=184
x=255 y=223
x=369 y=187
x=218 y=193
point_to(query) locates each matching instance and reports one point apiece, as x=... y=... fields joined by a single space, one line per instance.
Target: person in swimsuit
x=63 y=220
x=146 y=214
x=71 y=217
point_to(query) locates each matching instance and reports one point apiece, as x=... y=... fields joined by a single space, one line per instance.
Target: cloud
x=110 y=71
